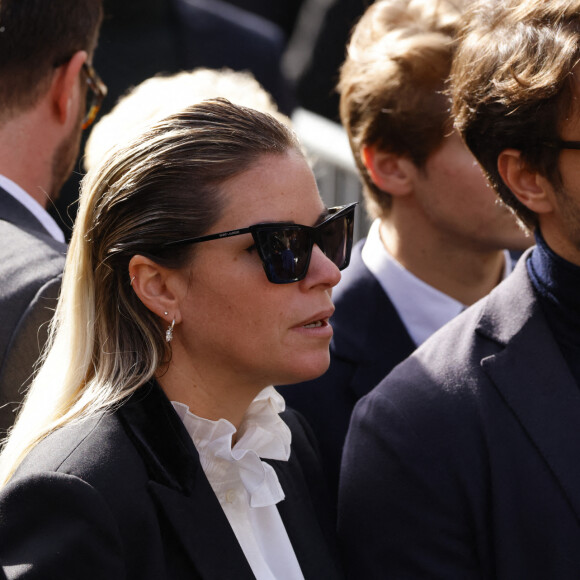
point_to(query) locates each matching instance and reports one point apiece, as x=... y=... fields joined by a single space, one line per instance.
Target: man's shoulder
x=450 y=360
x=16 y=239
x=27 y=256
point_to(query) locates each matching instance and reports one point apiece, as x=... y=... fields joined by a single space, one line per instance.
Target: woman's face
x=236 y=327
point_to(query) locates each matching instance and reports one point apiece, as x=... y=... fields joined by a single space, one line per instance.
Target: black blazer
x=31 y=264
x=369 y=341
x=465 y=462
x=123 y=496
x=217 y=34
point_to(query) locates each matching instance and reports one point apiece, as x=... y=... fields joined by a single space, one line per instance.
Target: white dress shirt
x=246 y=487
x=422 y=308
x=33 y=207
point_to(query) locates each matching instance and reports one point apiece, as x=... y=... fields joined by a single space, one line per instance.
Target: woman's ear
x=388 y=171
x=531 y=189
x=156 y=287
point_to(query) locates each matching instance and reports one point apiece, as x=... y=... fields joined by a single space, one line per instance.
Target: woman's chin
x=308 y=371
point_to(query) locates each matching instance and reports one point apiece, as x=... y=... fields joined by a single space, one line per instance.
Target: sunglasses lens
x=285 y=253
x=286 y=250
x=335 y=239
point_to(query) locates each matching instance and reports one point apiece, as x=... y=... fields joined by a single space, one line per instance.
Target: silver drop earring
x=169 y=332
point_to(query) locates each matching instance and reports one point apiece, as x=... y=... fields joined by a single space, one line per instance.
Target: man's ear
x=65 y=86
x=531 y=189
x=156 y=287
x=388 y=171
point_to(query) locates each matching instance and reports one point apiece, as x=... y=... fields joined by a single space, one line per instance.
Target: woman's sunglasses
x=286 y=248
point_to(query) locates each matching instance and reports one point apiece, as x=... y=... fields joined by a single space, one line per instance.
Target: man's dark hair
x=512 y=84
x=35 y=37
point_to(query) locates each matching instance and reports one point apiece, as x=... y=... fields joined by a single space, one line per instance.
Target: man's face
x=66 y=154
x=458 y=204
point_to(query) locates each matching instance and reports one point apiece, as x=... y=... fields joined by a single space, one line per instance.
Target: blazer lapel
x=180 y=487
x=12 y=211
x=533 y=378
x=304 y=530
x=203 y=529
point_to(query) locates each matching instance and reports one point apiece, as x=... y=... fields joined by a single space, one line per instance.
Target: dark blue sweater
x=557 y=283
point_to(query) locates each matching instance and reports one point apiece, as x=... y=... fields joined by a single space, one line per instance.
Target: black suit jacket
x=217 y=34
x=31 y=264
x=464 y=462
x=369 y=340
x=123 y=495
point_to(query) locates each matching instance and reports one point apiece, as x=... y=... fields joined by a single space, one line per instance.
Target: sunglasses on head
x=286 y=248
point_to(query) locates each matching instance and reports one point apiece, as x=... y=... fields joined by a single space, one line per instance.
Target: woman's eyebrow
x=322 y=216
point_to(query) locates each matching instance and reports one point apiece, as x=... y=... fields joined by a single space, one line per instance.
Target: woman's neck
x=211 y=399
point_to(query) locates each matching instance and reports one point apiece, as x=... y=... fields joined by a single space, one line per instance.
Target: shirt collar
x=262 y=434
x=422 y=308
x=47 y=221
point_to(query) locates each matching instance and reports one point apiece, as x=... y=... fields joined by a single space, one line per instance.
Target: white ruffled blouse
x=246 y=487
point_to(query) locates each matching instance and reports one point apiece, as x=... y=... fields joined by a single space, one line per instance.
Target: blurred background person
x=151 y=444
x=162 y=95
x=48 y=92
x=439 y=237
x=316 y=51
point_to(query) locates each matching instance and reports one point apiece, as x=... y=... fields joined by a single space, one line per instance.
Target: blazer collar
x=15 y=213
x=180 y=487
x=509 y=306
x=533 y=378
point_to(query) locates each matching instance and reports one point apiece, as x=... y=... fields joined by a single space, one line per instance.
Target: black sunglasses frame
x=315 y=235
x=562 y=144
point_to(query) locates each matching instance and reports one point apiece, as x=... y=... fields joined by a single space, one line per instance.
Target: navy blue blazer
x=465 y=461
x=123 y=496
x=369 y=340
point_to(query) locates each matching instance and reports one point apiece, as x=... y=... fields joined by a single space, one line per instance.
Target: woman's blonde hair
x=163 y=186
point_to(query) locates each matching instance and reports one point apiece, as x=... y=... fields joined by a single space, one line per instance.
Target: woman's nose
x=322 y=270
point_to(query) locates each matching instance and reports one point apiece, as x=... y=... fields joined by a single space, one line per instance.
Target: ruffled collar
x=262 y=434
